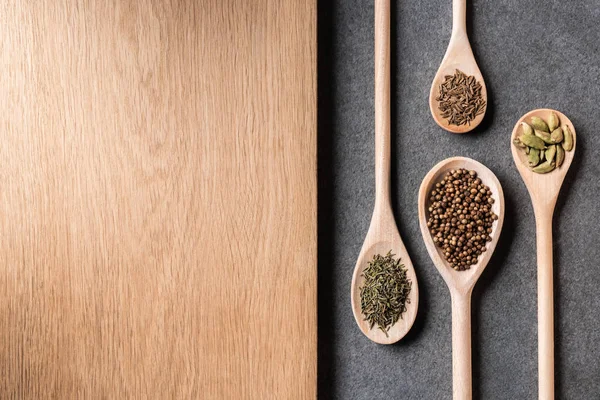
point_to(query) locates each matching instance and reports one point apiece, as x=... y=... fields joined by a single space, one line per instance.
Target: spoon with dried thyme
x=543 y=170
x=384 y=291
x=458 y=96
x=461 y=210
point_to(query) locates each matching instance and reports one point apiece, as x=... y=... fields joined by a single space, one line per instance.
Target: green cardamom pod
x=527 y=129
x=542 y=155
x=553 y=121
x=557 y=135
x=533 y=141
x=560 y=155
x=568 y=143
x=533 y=158
x=550 y=153
x=545 y=167
x=545 y=136
x=539 y=124
x=517 y=142
x=527 y=149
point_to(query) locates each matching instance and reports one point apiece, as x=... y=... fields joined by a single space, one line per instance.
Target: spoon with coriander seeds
x=461 y=210
x=458 y=96
x=543 y=146
x=384 y=291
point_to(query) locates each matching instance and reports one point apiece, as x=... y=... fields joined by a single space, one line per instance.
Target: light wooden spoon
x=543 y=190
x=383 y=233
x=459 y=55
x=460 y=283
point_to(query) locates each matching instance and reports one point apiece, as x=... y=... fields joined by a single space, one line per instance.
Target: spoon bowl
x=543 y=188
x=460 y=280
x=460 y=283
x=383 y=237
x=459 y=55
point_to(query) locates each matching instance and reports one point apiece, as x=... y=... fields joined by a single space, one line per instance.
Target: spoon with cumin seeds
x=458 y=96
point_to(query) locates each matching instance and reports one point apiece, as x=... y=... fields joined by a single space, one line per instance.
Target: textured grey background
x=533 y=54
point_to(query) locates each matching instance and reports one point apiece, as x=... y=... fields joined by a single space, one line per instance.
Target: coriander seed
x=461 y=218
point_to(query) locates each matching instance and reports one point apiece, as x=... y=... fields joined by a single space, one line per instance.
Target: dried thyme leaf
x=385 y=292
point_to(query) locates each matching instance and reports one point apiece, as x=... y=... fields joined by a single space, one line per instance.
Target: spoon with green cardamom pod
x=383 y=236
x=458 y=96
x=543 y=170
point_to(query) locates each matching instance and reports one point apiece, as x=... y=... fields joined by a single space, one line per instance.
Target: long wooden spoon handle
x=545 y=306
x=459 y=17
x=382 y=101
x=461 y=346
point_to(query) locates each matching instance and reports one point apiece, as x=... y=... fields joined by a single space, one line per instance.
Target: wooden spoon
x=459 y=55
x=460 y=283
x=543 y=190
x=383 y=233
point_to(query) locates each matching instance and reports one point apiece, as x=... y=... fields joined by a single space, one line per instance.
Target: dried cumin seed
x=460 y=99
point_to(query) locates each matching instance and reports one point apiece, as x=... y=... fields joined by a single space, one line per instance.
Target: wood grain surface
x=158 y=199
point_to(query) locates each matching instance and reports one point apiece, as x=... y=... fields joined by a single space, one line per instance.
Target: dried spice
x=568 y=139
x=534 y=142
x=533 y=157
x=560 y=155
x=544 y=167
x=549 y=153
x=539 y=124
x=557 y=135
x=461 y=218
x=553 y=122
x=384 y=295
x=544 y=143
x=545 y=136
x=460 y=99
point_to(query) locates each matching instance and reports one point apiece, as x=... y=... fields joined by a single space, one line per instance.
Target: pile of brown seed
x=461 y=217
x=460 y=99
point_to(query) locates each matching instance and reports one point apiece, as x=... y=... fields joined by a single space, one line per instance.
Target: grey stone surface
x=533 y=54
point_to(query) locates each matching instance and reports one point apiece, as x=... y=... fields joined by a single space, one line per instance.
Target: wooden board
x=158 y=199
